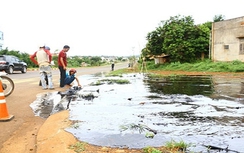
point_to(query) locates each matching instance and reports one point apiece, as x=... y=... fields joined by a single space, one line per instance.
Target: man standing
x=43 y=60
x=62 y=64
x=112 y=66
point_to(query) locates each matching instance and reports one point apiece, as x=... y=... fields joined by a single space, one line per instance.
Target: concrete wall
x=228 y=33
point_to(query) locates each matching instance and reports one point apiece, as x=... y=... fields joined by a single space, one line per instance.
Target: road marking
x=36 y=80
x=24 y=80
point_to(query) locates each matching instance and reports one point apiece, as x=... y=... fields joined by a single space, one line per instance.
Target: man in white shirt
x=43 y=59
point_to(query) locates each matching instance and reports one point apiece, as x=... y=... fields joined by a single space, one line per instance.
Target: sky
x=99 y=27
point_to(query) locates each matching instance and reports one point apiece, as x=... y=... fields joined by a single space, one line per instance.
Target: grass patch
x=110 y=81
x=170 y=147
x=78 y=147
x=133 y=127
x=120 y=72
x=116 y=72
x=141 y=128
x=199 y=66
x=173 y=145
x=151 y=150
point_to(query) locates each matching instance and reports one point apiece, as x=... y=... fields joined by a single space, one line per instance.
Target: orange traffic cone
x=4 y=116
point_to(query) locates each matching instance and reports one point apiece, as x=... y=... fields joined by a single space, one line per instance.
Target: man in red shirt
x=62 y=64
x=43 y=58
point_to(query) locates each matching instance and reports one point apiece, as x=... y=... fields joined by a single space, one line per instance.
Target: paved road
x=24 y=126
x=18 y=76
x=31 y=76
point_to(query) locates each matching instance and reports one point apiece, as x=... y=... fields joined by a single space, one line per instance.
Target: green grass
x=118 y=72
x=172 y=145
x=110 y=81
x=133 y=126
x=201 y=66
x=150 y=150
x=78 y=147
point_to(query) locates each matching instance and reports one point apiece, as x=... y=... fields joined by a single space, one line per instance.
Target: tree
x=180 y=38
x=145 y=53
x=96 y=61
x=155 y=41
x=74 y=61
x=218 y=18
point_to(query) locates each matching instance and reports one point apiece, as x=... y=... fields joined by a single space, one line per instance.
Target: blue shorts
x=69 y=80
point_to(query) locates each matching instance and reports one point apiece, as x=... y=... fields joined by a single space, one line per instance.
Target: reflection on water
x=47 y=104
x=194 y=85
x=199 y=110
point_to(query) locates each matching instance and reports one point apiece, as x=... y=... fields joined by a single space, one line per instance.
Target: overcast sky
x=98 y=27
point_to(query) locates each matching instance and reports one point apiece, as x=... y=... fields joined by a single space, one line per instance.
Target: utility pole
x=144 y=66
x=133 y=58
x=1 y=40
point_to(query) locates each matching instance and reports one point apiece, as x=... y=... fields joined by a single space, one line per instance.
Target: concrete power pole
x=1 y=40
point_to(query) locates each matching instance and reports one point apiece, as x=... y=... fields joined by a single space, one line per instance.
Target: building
x=160 y=59
x=228 y=40
x=1 y=40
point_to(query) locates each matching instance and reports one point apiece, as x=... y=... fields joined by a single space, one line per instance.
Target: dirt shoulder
x=20 y=133
x=27 y=133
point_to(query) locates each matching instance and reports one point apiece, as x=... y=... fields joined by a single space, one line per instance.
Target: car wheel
x=10 y=70
x=24 y=69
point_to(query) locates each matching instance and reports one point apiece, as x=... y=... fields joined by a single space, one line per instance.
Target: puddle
x=198 y=110
x=47 y=104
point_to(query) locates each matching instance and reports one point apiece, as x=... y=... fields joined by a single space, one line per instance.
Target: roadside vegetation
x=78 y=147
x=199 y=66
x=170 y=147
x=109 y=81
x=73 y=61
x=180 y=39
x=119 y=72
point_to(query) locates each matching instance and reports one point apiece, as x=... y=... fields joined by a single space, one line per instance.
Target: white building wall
x=227 y=33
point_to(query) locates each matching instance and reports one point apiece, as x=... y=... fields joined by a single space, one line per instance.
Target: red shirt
x=62 y=54
x=32 y=57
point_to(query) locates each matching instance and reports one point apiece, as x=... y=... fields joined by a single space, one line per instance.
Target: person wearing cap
x=43 y=58
x=62 y=64
x=70 y=77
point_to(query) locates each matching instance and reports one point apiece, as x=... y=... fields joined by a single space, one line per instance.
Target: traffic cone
x=4 y=116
